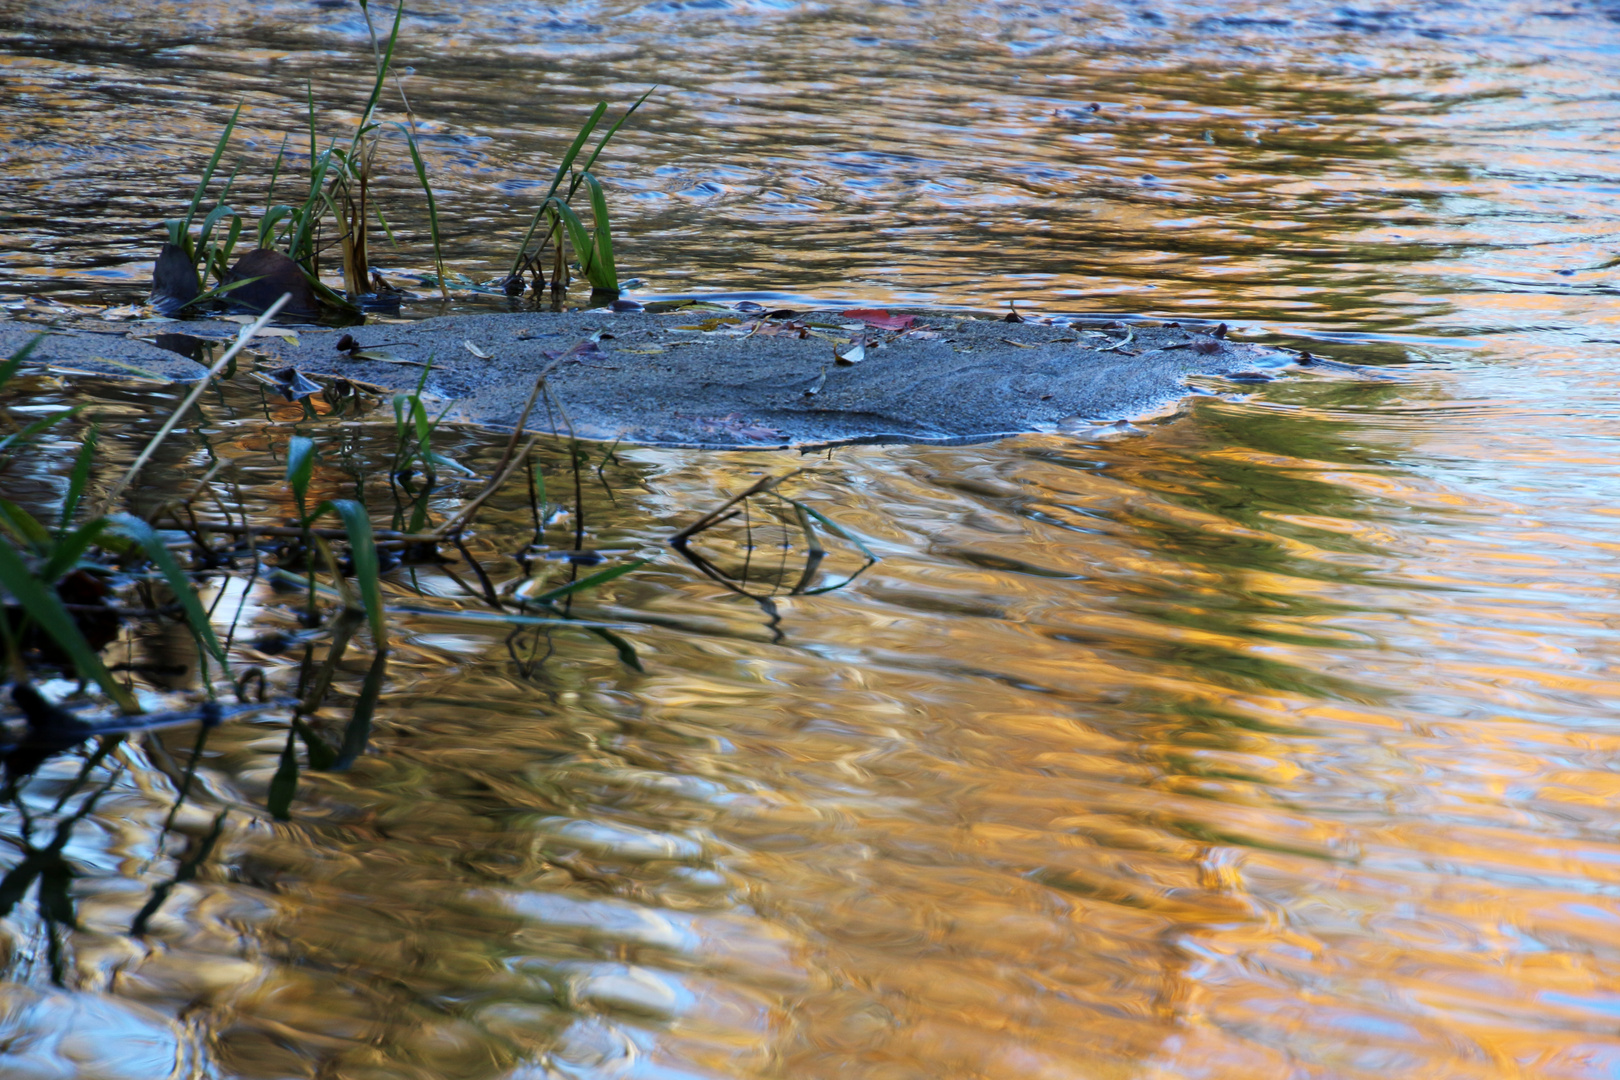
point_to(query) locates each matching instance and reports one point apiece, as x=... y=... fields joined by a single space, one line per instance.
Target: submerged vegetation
x=121 y=558
x=339 y=208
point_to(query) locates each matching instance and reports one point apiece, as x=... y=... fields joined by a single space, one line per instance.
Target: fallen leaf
x=734 y=424
x=851 y=354
x=574 y=352
x=880 y=319
x=476 y=351
x=709 y=326
x=790 y=329
x=277 y=331
x=815 y=388
x=1020 y=344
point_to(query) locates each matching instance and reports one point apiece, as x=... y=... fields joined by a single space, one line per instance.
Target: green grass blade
x=601 y=577
x=275 y=171
x=25 y=527
x=388 y=232
x=433 y=207
x=314 y=143
x=363 y=551
x=556 y=181
x=45 y=608
x=357 y=732
x=272 y=218
x=15 y=361
x=208 y=173
x=222 y=255
x=66 y=551
x=382 y=76
x=309 y=213
x=218 y=291
x=79 y=479
x=158 y=552
x=300 y=468
x=598 y=264
x=612 y=131
x=215 y=216
x=577 y=236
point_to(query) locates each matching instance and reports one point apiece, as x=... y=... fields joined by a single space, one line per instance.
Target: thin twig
x=764 y=483
x=523 y=418
x=242 y=339
x=465 y=514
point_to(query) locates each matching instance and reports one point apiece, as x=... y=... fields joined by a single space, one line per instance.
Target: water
x=1276 y=739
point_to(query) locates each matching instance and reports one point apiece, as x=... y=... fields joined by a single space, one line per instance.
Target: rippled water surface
x=1275 y=739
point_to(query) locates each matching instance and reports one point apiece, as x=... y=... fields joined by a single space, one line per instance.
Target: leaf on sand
x=575 y=351
x=709 y=326
x=735 y=425
x=880 y=319
x=476 y=351
x=851 y=354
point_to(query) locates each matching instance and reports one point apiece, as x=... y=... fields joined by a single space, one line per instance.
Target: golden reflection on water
x=1275 y=740
x=1172 y=754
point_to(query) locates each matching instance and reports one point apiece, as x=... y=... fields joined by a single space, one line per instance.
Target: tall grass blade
x=272 y=218
x=556 y=181
x=612 y=131
x=433 y=207
x=382 y=74
x=601 y=577
x=363 y=551
x=208 y=173
x=300 y=469
x=158 y=552
x=218 y=291
x=275 y=171
x=598 y=272
x=357 y=733
x=25 y=527
x=45 y=608
x=598 y=262
x=65 y=552
x=15 y=361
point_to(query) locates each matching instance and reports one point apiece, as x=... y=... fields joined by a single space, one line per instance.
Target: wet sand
x=726 y=380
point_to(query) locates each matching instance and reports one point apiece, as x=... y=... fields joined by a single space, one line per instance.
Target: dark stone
x=277 y=274
x=174 y=280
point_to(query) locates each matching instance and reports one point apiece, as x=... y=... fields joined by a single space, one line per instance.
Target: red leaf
x=880 y=319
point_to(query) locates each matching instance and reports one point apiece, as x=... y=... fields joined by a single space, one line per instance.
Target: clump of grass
x=340 y=191
x=594 y=251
